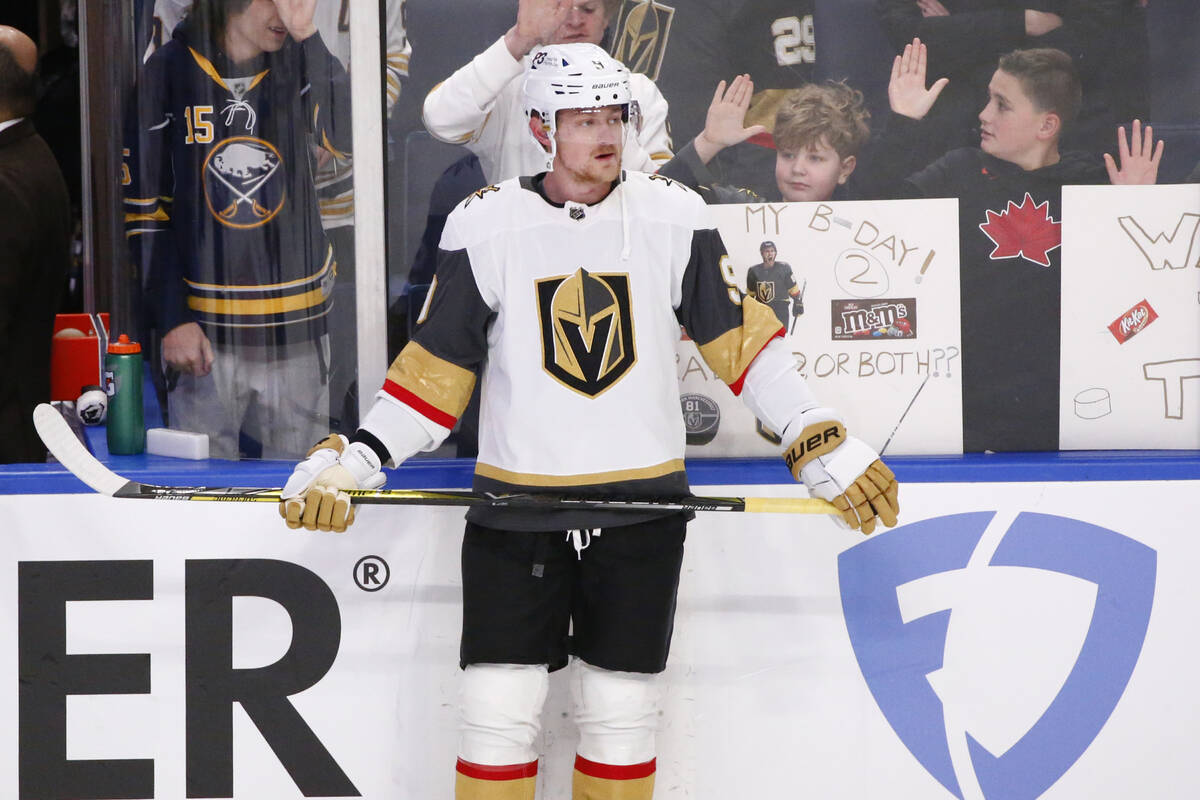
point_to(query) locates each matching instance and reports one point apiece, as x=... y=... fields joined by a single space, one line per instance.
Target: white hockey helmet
x=579 y=75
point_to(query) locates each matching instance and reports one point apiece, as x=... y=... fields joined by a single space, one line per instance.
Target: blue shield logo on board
x=901 y=592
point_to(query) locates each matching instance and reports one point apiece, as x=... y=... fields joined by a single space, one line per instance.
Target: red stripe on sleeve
x=508 y=772
x=736 y=386
x=417 y=404
x=613 y=772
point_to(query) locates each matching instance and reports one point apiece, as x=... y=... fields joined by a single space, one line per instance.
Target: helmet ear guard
x=572 y=76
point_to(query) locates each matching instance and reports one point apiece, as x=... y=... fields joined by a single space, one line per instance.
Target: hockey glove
x=843 y=470
x=315 y=495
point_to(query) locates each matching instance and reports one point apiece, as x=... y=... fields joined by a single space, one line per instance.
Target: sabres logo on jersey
x=587 y=330
x=244 y=186
x=641 y=40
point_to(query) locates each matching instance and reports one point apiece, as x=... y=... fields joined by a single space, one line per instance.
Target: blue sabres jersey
x=221 y=210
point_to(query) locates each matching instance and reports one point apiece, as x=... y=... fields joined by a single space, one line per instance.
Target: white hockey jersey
x=480 y=106
x=574 y=312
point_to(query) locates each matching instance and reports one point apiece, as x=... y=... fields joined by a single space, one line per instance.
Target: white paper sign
x=879 y=337
x=1130 y=370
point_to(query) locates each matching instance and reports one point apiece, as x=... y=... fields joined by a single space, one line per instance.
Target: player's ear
x=848 y=165
x=539 y=129
x=1050 y=126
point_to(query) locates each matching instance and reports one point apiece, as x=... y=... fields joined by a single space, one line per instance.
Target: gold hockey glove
x=315 y=497
x=845 y=471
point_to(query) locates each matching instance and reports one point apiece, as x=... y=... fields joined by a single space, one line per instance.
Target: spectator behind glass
x=819 y=131
x=333 y=175
x=222 y=212
x=35 y=232
x=1106 y=40
x=480 y=105
x=1009 y=192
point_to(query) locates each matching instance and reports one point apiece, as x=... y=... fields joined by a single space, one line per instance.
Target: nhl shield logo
x=641 y=36
x=243 y=185
x=587 y=330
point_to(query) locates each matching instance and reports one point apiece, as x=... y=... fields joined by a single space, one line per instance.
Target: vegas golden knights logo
x=587 y=329
x=765 y=291
x=642 y=30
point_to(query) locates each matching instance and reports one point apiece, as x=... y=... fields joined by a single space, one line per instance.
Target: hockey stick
x=902 y=416
x=799 y=299
x=70 y=452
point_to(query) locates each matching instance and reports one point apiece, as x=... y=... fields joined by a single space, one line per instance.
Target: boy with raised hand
x=819 y=130
x=569 y=287
x=1010 y=199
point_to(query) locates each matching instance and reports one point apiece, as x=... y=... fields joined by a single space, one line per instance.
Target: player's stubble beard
x=595 y=173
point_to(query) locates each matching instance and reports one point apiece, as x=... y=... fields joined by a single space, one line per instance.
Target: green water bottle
x=123 y=383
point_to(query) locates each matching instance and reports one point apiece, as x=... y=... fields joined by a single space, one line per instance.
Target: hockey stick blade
x=62 y=443
x=70 y=452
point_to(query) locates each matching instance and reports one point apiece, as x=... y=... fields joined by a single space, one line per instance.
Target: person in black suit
x=35 y=220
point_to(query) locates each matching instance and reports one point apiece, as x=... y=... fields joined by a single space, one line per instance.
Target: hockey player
x=771 y=283
x=573 y=284
x=222 y=213
x=479 y=106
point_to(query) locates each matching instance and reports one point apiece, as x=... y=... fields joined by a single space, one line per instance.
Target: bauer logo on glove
x=845 y=471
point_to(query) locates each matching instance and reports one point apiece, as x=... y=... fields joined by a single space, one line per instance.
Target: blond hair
x=832 y=111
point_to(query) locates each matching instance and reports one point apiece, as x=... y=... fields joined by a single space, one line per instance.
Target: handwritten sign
x=849 y=281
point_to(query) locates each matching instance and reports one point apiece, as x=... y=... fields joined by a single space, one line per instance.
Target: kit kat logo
x=1132 y=322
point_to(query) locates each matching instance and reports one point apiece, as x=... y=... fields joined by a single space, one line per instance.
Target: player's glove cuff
x=821 y=432
x=322 y=455
x=363 y=465
x=315 y=496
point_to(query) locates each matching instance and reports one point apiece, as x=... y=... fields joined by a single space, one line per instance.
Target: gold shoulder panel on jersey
x=730 y=354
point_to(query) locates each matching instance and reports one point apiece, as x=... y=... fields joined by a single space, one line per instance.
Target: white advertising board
x=879 y=337
x=1130 y=317
x=1008 y=640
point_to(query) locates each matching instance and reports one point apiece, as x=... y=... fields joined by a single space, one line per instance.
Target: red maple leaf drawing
x=1024 y=230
